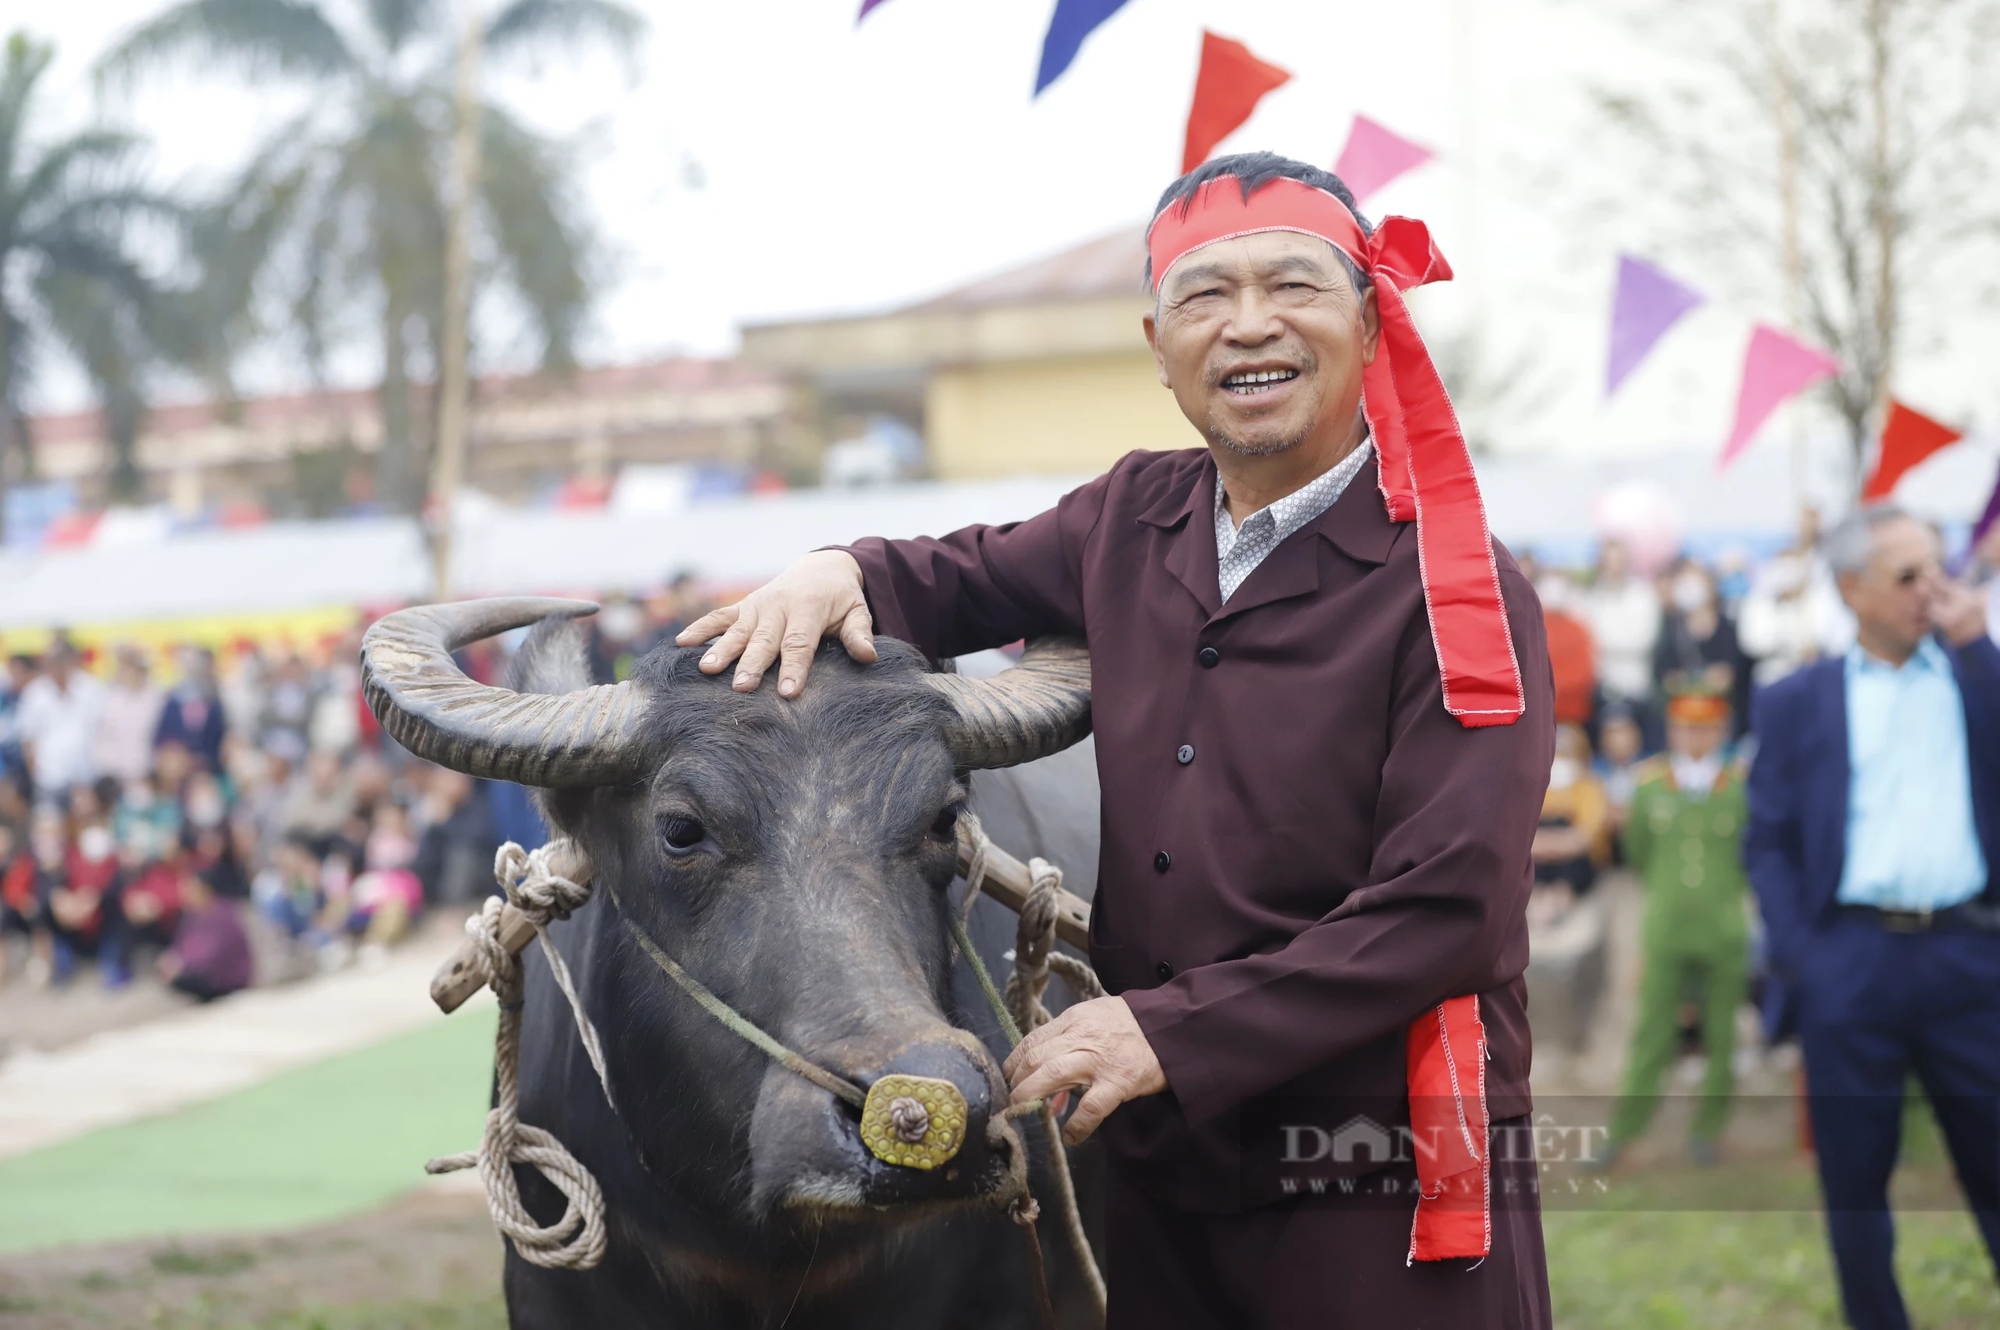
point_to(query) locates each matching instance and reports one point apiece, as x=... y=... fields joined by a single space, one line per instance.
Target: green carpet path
x=310 y=1145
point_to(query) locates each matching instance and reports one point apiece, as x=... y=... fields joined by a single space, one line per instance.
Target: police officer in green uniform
x=1684 y=838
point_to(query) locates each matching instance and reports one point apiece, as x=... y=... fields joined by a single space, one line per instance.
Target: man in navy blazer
x=1874 y=836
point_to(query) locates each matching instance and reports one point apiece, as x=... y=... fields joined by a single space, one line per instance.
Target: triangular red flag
x=1231 y=83
x=1908 y=437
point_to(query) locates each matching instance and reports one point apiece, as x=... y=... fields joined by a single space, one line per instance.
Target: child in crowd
x=210 y=957
x=80 y=882
x=1618 y=767
x=388 y=896
x=1685 y=840
x=288 y=892
x=144 y=905
x=146 y=824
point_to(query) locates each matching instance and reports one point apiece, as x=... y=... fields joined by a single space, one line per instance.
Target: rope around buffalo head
x=577 y=1240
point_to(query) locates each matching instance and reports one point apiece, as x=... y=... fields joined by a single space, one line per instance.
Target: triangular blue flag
x=1074 y=20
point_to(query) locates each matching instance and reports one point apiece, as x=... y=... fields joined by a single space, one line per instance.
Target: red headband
x=1425 y=470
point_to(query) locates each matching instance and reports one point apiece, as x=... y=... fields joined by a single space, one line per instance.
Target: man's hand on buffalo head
x=784 y=620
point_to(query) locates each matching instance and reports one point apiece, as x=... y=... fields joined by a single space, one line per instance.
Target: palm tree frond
x=396 y=21
x=570 y=22
x=263 y=38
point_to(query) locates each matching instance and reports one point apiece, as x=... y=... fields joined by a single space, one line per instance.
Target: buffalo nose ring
x=914 y=1121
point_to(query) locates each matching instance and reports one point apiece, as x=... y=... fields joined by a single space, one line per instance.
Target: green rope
x=986 y=985
x=735 y=1021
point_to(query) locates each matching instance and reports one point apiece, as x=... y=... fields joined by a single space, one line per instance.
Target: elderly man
x=1324 y=724
x=1874 y=829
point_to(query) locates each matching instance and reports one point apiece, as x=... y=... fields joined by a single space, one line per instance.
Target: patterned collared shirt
x=1239 y=549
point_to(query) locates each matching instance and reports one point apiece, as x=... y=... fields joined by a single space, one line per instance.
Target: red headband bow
x=1426 y=472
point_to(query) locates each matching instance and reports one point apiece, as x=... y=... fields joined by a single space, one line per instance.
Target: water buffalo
x=796 y=856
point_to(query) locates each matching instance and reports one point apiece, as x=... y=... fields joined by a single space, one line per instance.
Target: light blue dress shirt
x=1912 y=843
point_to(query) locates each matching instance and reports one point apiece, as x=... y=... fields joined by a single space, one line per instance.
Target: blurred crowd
x=222 y=824
x=1656 y=672
x=1624 y=642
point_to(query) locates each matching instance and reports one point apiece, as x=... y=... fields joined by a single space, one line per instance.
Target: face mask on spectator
x=204 y=808
x=1691 y=593
x=1563 y=773
x=95 y=843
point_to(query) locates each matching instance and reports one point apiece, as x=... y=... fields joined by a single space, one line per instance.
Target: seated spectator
x=1574 y=839
x=174 y=766
x=318 y=803
x=141 y=909
x=78 y=898
x=288 y=892
x=210 y=957
x=387 y=896
x=144 y=822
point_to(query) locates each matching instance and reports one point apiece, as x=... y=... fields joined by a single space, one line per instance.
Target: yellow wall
x=1070 y=416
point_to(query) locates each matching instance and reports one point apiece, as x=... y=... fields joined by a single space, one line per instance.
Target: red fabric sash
x=1446 y=1072
x=1426 y=471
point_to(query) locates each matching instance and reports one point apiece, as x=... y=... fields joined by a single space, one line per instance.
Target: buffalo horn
x=1039 y=707
x=430 y=707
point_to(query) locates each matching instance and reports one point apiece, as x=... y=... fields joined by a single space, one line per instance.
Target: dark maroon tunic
x=1302 y=850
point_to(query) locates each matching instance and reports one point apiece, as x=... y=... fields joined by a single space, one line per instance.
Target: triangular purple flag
x=1647 y=303
x=866 y=5
x=1072 y=22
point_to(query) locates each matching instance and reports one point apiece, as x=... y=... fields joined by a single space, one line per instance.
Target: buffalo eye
x=681 y=834
x=945 y=827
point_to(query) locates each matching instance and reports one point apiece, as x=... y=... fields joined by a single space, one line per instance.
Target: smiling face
x=1263 y=339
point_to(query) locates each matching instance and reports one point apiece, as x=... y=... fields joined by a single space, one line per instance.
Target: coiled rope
x=575 y=1241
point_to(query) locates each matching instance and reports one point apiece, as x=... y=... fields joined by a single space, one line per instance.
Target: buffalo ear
x=551 y=660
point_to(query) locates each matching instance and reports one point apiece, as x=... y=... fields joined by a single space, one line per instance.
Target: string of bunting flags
x=1647 y=301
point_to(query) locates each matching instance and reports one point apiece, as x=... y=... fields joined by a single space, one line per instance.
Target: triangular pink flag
x=1374 y=156
x=1776 y=368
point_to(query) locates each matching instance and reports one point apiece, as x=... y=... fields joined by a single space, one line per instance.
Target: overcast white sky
x=851 y=168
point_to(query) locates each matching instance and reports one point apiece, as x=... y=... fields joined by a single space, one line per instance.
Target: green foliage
x=69 y=211
x=335 y=229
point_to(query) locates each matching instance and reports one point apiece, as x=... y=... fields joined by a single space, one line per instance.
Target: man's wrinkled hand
x=1095 y=1046
x=784 y=621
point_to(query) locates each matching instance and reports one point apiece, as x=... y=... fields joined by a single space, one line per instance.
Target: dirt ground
x=427 y=1262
